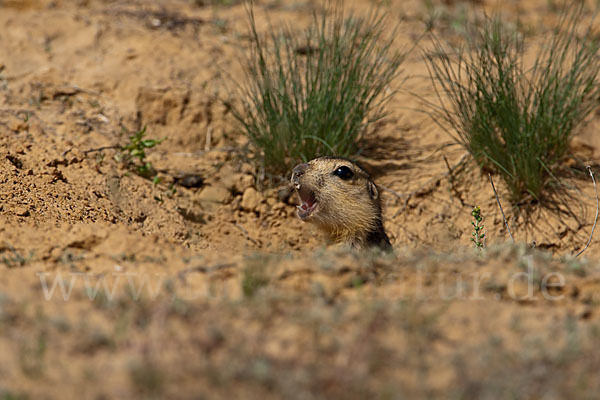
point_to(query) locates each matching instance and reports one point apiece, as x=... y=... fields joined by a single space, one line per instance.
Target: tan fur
x=347 y=210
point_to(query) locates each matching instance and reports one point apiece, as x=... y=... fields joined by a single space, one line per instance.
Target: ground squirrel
x=339 y=197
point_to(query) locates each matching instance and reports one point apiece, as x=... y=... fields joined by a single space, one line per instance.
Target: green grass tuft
x=5 y=395
x=516 y=119
x=147 y=378
x=255 y=275
x=315 y=93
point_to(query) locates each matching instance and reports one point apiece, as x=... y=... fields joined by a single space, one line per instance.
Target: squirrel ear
x=373 y=192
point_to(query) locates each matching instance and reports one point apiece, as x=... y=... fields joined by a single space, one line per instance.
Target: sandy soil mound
x=205 y=284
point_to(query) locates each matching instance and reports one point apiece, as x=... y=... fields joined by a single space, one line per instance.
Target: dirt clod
x=216 y=194
x=22 y=211
x=251 y=200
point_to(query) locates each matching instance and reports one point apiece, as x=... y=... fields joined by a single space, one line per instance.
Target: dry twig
x=202 y=269
x=452 y=182
x=245 y=233
x=597 y=209
x=208 y=141
x=100 y=149
x=501 y=210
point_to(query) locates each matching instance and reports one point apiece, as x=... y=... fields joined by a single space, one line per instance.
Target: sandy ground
x=206 y=285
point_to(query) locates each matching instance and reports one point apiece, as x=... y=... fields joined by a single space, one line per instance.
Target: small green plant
x=146 y=377
x=478 y=234
x=450 y=18
x=134 y=153
x=315 y=93
x=12 y=258
x=32 y=355
x=255 y=276
x=3 y=79
x=515 y=118
x=169 y=192
x=36 y=101
x=4 y=395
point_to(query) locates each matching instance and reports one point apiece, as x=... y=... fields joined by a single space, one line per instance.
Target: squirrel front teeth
x=297 y=186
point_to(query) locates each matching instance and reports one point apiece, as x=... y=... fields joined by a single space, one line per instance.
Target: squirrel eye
x=344 y=172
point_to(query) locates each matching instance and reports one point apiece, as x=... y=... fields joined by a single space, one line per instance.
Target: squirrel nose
x=298 y=171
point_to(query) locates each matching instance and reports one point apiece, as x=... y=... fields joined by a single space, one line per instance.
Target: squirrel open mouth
x=308 y=201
